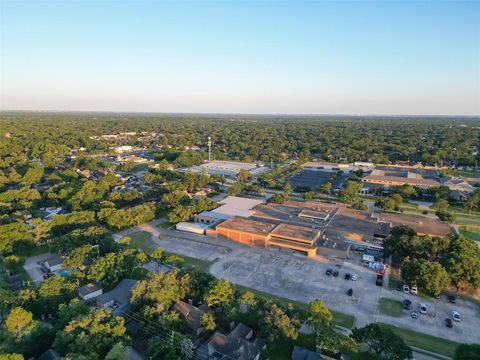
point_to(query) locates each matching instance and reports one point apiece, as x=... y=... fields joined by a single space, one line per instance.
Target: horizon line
x=232 y=114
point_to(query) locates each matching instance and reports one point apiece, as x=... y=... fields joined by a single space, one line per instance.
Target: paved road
x=296 y=277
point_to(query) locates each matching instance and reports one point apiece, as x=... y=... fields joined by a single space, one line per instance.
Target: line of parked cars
x=422 y=309
x=335 y=273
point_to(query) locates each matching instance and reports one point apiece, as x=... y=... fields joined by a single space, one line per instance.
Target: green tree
x=220 y=294
x=243 y=176
x=462 y=262
x=287 y=188
x=429 y=276
x=20 y=322
x=208 y=321
x=382 y=342
x=92 y=335
x=467 y=352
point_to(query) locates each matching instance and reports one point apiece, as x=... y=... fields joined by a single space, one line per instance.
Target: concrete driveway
x=32 y=267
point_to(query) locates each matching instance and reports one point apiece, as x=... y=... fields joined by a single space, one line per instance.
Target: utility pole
x=209 y=149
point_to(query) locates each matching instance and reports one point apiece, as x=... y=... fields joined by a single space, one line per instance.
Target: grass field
x=141 y=239
x=341 y=319
x=470 y=233
x=390 y=307
x=424 y=341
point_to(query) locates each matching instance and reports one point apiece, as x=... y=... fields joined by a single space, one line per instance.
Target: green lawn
x=142 y=240
x=390 y=307
x=199 y=264
x=166 y=225
x=341 y=319
x=424 y=341
x=474 y=235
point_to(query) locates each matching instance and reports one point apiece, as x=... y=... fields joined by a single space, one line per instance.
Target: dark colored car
x=335 y=273
x=448 y=323
x=379 y=281
x=350 y=292
x=347 y=276
x=328 y=272
x=452 y=299
x=406 y=304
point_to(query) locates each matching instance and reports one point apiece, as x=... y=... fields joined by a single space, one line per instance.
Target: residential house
x=192 y=314
x=89 y=291
x=118 y=298
x=239 y=344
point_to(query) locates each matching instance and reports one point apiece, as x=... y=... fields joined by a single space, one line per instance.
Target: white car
x=456 y=316
x=354 y=277
x=413 y=290
x=422 y=308
x=406 y=289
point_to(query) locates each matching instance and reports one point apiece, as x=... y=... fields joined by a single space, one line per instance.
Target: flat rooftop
x=421 y=224
x=237 y=206
x=295 y=232
x=227 y=168
x=247 y=225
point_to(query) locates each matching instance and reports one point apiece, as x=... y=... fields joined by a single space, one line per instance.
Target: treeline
x=382 y=140
x=434 y=263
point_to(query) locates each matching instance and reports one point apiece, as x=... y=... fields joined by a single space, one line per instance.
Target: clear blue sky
x=241 y=57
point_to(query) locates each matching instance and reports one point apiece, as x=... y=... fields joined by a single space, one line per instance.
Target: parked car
x=414 y=315
x=406 y=289
x=347 y=276
x=422 y=308
x=354 y=277
x=379 y=281
x=452 y=299
x=350 y=292
x=413 y=290
x=448 y=323
x=456 y=316
x=406 y=304
x=335 y=273
x=328 y=272
x=400 y=287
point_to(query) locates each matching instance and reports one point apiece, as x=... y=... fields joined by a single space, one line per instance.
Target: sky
x=275 y=57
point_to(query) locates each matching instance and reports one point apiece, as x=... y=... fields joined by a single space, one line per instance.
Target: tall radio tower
x=209 y=149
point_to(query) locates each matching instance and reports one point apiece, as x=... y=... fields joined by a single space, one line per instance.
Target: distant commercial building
x=257 y=233
x=196 y=228
x=230 y=207
x=228 y=169
x=122 y=149
x=397 y=178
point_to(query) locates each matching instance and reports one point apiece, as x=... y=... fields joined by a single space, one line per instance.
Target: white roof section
x=226 y=168
x=237 y=206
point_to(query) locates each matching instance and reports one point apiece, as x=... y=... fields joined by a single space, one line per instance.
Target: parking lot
x=312 y=179
x=296 y=277
x=433 y=322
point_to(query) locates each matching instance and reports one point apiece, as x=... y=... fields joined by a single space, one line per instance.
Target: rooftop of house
x=238 y=344
x=120 y=294
x=300 y=353
x=88 y=289
x=191 y=313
